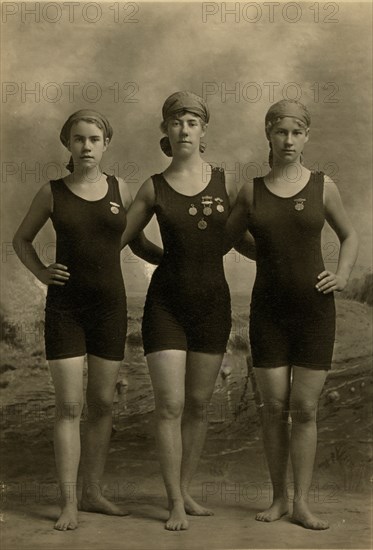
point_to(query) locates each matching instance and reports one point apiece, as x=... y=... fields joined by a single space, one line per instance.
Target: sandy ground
x=28 y=518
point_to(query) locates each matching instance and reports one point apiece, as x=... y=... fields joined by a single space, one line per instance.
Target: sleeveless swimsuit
x=291 y=323
x=87 y=314
x=188 y=302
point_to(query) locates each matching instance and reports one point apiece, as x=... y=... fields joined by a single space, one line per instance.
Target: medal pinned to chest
x=114 y=207
x=299 y=204
x=207 y=203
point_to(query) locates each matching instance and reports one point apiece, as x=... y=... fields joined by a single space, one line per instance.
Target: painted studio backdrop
x=124 y=59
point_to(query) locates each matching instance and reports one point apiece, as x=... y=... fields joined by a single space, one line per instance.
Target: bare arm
x=140 y=245
x=36 y=217
x=337 y=218
x=237 y=234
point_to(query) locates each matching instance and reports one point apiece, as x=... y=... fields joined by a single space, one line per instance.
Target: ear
x=106 y=143
x=307 y=135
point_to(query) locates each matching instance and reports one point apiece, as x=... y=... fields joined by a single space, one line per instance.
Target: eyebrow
x=81 y=135
x=192 y=117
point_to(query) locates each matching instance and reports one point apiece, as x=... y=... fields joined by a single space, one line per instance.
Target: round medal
x=220 y=208
x=202 y=224
x=192 y=210
x=114 y=209
x=299 y=206
x=207 y=211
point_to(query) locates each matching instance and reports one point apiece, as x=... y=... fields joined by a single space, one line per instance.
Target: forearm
x=146 y=250
x=246 y=246
x=347 y=255
x=28 y=256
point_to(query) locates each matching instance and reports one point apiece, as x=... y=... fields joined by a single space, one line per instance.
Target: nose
x=289 y=139
x=86 y=145
x=184 y=129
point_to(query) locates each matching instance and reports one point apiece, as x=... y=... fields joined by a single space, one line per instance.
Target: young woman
x=86 y=303
x=187 y=315
x=292 y=320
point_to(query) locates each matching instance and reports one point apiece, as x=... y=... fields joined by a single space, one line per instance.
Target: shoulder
x=246 y=193
x=45 y=195
x=331 y=195
x=147 y=191
x=43 y=199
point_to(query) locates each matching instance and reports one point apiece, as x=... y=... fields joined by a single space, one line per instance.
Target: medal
x=299 y=204
x=202 y=224
x=192 y=210
x=114 y=207
x=207 y=202
x=219 y=207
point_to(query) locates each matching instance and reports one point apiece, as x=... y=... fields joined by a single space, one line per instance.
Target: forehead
x=289 y=123
x=83 y=127
x=184 y=115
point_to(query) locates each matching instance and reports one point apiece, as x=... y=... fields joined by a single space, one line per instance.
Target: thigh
x=67 y=376
x=102 y=379
x=167 y=373
x=161 y=329
x=64 y=334
x=269 y=339
x=202 y=370
x=105 y=327
x=274 y=383
x=307 y=385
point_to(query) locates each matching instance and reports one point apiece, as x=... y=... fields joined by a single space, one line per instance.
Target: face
x=185 y=132
x=87 y=144
x=288 y=138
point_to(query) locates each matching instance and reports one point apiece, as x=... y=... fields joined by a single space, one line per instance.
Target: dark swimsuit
x=291 y=323
x=188 y=302
x=88 y=314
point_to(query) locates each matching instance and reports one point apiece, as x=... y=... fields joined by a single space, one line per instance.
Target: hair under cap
x=82 y=114
x=186 y=101
x=287 y=108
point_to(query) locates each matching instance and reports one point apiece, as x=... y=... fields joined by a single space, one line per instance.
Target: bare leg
x=167 y=372
x=201 y=372
x=67 y=376
x=274 y=385
x=305 y=393
x=102 y=377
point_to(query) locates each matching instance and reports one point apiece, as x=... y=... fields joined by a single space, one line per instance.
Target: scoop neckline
x=290 y=196
x=188 y=196
x=87 y=200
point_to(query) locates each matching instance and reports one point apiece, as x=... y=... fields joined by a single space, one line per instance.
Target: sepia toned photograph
x=186 y=275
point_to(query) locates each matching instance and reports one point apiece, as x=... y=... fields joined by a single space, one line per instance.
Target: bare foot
x=68 y=519
x=193 y=508
x=304 y=517
x=278 y=508
x=100 y=505
x=177 y=520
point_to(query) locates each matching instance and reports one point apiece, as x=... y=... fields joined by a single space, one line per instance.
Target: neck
x=84 y=175
x=188 y=163
x=287 y=170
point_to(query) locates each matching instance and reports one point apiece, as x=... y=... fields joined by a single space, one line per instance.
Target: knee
x=197 y=406
x=99 y=407
x=69 y=411
x=303 y=411
x=275 y=410
x=170 y=409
